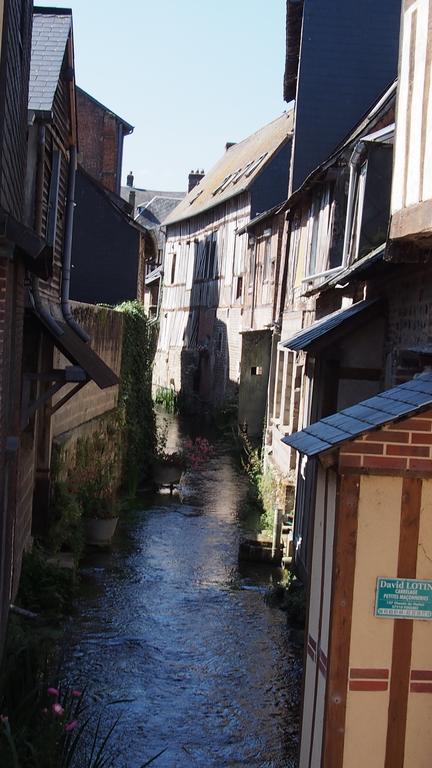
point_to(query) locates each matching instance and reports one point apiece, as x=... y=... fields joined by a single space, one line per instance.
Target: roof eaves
x=320 y=332
x=314 y=176
x=389 y=406
x=258 y=219
x=127 y=127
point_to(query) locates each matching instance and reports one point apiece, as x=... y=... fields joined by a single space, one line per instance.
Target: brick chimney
x=230 y=144
x=194 y=179
x=130 y=179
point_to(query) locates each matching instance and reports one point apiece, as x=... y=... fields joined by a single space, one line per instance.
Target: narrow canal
x=169 y=624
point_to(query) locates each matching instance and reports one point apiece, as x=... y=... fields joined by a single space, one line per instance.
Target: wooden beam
x=344 y=562
x=403 y=628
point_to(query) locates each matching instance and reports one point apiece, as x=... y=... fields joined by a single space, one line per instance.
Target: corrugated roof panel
x=318 y=330
x=369 y=414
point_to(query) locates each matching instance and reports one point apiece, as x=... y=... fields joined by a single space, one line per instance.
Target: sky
x=190 y=75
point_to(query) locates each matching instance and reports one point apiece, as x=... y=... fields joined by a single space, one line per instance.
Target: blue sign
x=403 y=598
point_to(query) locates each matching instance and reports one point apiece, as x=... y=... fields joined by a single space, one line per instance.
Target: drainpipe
x=254 y=283
x=67 y=248
x=35 y=292
x=354 y=162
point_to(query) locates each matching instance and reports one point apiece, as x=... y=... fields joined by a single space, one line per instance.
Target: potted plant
x=169 y=467
x=95 y=483
x=100 y=518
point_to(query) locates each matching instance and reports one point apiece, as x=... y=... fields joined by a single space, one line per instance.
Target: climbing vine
x=135 y=397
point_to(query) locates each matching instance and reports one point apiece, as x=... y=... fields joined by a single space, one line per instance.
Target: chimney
x=230 y=144
x=130 y=179
x=194 y=179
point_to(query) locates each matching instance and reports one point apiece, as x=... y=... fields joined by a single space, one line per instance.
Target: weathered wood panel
x=14 y=73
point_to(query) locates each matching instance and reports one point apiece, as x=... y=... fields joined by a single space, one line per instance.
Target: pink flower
x=76 y=694
x=71 y=726
x=53 y=691
x=57 y=709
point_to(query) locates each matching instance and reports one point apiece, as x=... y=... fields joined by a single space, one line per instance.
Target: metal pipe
x=326 y=272
x=67 y=248
x=254 y=283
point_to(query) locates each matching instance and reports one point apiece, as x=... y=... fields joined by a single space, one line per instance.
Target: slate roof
x=49 y=38
x=154 y=213
x=143 y=196
x=311 y=336
x=237 y=169
x=400 y=402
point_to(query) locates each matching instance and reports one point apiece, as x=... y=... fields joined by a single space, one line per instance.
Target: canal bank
x=169 y=625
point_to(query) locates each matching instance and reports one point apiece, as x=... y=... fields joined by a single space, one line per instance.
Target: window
x=173 y=267
x=357 y=214
x=251 y=267
x=212 y=257
x=255 y=164
x=268 y=266
x=256 y=370
x=319 y=232
x=239 y=287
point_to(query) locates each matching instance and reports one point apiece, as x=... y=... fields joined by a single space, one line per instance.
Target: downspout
x=254 y=282
x=35 y=292
x=67 y=248
x=354 y=162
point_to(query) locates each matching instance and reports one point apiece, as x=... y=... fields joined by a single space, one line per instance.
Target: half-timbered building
x=218 y=279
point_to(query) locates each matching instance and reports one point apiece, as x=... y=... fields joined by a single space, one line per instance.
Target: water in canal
x=168 y=622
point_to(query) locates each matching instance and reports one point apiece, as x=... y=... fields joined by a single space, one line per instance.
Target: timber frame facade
x=220 y=279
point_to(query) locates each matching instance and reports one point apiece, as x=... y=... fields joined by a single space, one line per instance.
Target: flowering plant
x=194 y=454
x=62 y=721
x=94 y=479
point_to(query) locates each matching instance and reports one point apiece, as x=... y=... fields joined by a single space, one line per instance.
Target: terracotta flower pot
x=99 y=531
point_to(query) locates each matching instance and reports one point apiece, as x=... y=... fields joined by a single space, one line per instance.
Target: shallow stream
x=169 y=622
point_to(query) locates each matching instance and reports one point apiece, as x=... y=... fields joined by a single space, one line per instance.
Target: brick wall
x=105 y=327
x=410 y=308
x=98 y=141
x=403 y=446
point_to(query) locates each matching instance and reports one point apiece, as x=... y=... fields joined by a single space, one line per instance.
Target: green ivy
x=168 y=398
x=135 y=397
